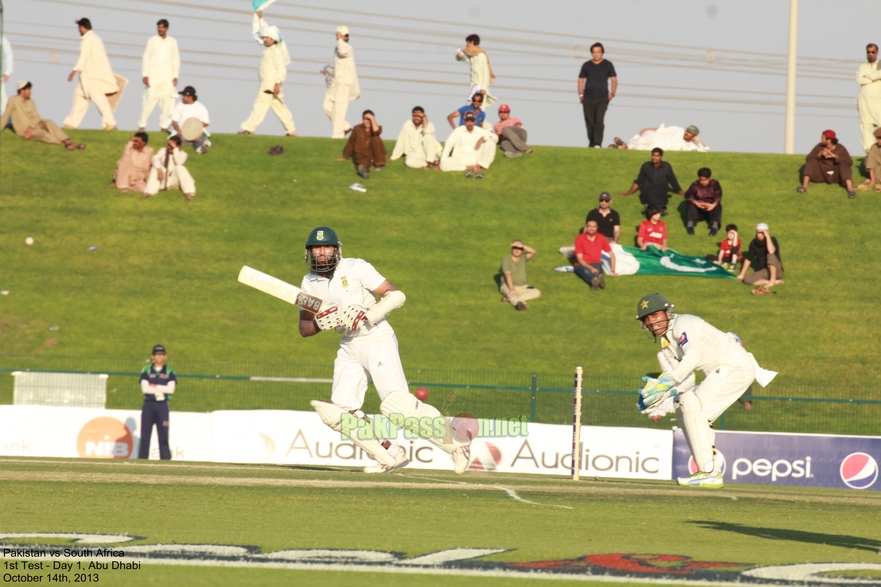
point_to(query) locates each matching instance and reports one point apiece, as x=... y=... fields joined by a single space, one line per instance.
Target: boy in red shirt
x=729 y=249
x=652 y=231
x=589 y=247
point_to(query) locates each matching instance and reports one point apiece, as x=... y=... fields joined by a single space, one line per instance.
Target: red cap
x=504 y=108
x=829 y=134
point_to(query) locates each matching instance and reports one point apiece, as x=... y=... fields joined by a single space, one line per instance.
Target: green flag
x=654 y=261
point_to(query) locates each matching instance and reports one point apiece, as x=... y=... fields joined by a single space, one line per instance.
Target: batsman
x=368 y=347
x=689 y=343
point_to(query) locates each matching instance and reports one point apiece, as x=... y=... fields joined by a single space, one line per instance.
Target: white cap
x=22 y=84
x=761 y=226
x=343 y=30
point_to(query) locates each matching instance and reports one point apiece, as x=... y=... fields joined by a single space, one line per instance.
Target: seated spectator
x=873 y=164
x=828 y=162
x=169 y=172
x=514 y=287
x=608 y=220
x=364 y=146
x=669 y=138
x=190 y=107
x=589 y=247
x=470 y=148
x=729 y=249
x=512 y=135
x=474 y=107
x=27 y=124
x=704 y=202
x=652 y=231
x=133 y=168
x=655 y=178
x=764 y=257
x=417 y=143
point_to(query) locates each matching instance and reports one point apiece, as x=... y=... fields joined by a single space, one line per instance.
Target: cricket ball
x=464 y=427
x=29 y=240
x=421 y=394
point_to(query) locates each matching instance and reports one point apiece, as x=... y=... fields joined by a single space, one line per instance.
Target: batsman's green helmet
x=323 y=235
x=651 y=303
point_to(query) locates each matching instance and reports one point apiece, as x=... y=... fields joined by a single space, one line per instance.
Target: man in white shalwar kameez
x=272 y=73
x=668 y=138
x=168 y=171
x=869 y=98
x=96 y=79
x=417 y=143
x=482 y=74
x=470 y=148
x=6 y=68
x=160 y=67
x=344 y=87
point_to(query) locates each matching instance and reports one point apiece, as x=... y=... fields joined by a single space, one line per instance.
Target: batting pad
x=697 y=430
x=332 y=415
x=402 y=402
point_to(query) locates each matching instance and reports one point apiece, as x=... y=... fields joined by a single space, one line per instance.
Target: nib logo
x=484 y=456
x=859 y=470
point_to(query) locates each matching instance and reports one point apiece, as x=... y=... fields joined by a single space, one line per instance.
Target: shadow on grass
x=840 y=540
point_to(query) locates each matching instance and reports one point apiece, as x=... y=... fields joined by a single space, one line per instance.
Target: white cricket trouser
x=166 y=107
x=262 y=103
x=179 y=177
x=724 y=386
x=81 y=97
x=376 y=356
x=335 y=106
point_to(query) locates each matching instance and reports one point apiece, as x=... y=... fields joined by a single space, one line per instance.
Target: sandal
x=801 y=190
x=619 y=142
x=244 y=132
x=81 y=146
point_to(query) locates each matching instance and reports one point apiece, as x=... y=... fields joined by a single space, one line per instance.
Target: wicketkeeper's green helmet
x=323 y=236
x=651 y=303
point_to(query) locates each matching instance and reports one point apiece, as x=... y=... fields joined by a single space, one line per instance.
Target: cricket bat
x=280 y=289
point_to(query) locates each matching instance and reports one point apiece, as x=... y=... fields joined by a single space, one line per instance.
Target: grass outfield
x=274 y=508
x=165 y=269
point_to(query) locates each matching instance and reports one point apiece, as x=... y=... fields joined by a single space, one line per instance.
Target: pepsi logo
x=859 y=470
x=693 y=468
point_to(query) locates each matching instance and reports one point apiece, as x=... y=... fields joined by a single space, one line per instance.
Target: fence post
x=722 y=422
x=534 y=394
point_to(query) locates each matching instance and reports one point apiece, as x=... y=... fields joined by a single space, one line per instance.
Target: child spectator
x=652 y=231
x=729 y=249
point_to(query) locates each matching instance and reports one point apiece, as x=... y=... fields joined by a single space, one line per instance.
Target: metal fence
x=546 y=398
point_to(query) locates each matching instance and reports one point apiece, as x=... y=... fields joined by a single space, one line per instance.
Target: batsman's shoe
x=701 y=479
x=461 y=458
x=401 y=461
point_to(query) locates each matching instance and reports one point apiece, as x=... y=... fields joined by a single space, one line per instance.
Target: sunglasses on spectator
x=517 y=248
x=477 y=99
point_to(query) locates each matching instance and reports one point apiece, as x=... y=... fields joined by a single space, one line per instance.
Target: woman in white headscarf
x=272 y=73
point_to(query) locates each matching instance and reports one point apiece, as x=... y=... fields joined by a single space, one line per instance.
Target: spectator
x=828 y=162
x=5 y=71
x=589 y=247
x=873 y=164
x=365 y=147
x=190 y=107
x=729 y=249
x=704 y=202
x=417 y=143
x=608 y=220
x=512 y=135
x=514 y=286
x=160 y=68
x=133 y=168
x=764 y=257
x=652 y=231
x=343 y=87
x=475 y=107
x=27 y=124
x=96 y=79
x=169 y=172
x=594 y=93
x=482 y=74
x=158 y=382
x=470 y=148
x=869 y=99
x=669 y=138
x=655 y=178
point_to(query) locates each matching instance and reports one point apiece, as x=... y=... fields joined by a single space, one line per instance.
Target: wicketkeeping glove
x=655 y=392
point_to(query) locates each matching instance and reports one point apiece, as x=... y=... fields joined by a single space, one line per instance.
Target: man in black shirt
x=593 y=91
x=608 y=221
x=655 y=179
x=764 y=257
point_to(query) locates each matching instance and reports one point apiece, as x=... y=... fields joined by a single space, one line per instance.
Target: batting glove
x=354 y=317
x=160 y=397
x=329 y=318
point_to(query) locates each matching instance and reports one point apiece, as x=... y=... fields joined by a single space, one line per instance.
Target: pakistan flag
x=653 y=261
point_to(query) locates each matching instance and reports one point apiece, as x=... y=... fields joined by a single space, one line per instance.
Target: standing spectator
x=470 y=148
x=272 y=73
x=365 y=147
x=655 y=179
x=482 y=74
x=828 y=162
x=589 y=247
x=343 y=87
x=133 y=168
x=652 y=231
x=190 y=107
x=869 y=98
x=5 y=71
x=160 y=67
x=417 y=143
x=96 y=79
x=729 y=249
x=704 y=199
x=514 y=286
x=512 y=135
x=27 y=124
x=764 y=257
x=475 y=107
x=169 y=172
x=608 y=220
x=872 y=163
x=594 y=93
x=157 y=384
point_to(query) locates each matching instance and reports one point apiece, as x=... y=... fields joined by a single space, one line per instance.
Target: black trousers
x=154 y=413
x=594 y=117
x=693 y=215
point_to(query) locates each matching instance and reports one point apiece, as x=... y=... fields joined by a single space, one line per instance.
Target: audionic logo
x=778 y=469
x=104 y=438
x=859 y=470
